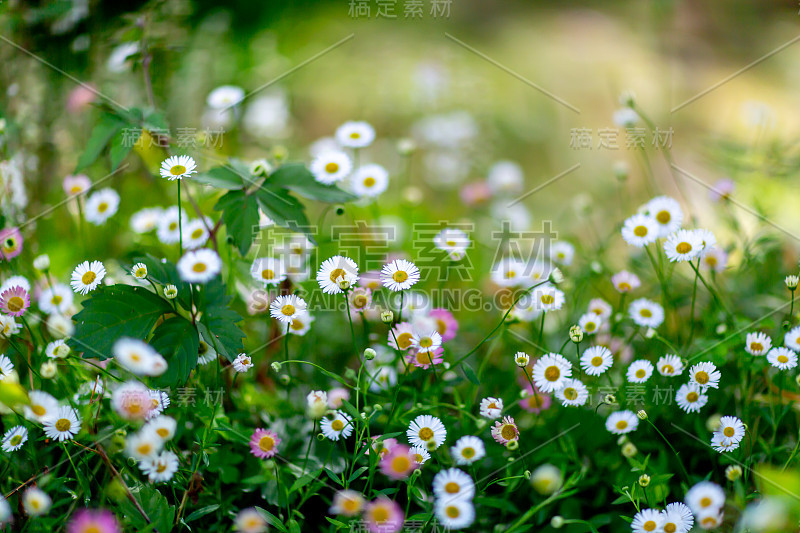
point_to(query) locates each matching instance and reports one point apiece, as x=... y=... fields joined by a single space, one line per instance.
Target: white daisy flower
x=622 y=422
x=336 y=427
x=705 y=496
x=56 y=299
x=131 y=400
x=640 y=230
x=286 y=308
x=205 y=352
x=6 y=367
x=330 y=167
x=162 y=426
x=596 y=360
x=547 y=298
x=723 y=445
x=684 y=245
x=199 y=266
x=334 y=270
x=646 y=313
x=426 y=431
x=369 y=180
x=625 y=281
x=138 y=357
x=14 y=438
x=87 y=276
x=399 y=275
x=669 y=365
x=705 y=374
x=420 y=455
x=139 y=271
x=242 y=363
x=159 y=400
x=782 y=358
x=600 y=307
x=224 y=97
x=562 y=253
x=550 y=372
x=467 y=450
x=667 y=213
x=9 y=326
x=146 y=220
x=509 y=272
x=453 y=484
x=639 y=371
x=590 y=323
x=355 y=134
x=731 y=428
x=792 y=339
x=452 y=241
x=63 y=424
x=535 y=271
x=710 y=519
x=5 y=511
x=647 y=521
x=161 y=467
x=678 y=518
x=169 y=228
x=707 y=239
x=301 y=323
x=143 y=445
x=178 y=167
x=428 y=341
x=195 y=233
x=573 y=393
x=16 y=281
x=36 y=502
x=101 y=206
x=454 y=513
x=42 y=405
x=714 y=259
x=758 y=343
x=690 y=397
x=491 y=408
x=268 y=271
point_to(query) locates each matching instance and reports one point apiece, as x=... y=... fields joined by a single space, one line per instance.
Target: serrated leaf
x=178 y=341
x=218 y=323
x=112 y=312
x=240 y=215
x=283 y=208
x=297 y=177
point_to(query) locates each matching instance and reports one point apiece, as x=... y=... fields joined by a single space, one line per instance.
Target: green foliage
x=178 y=341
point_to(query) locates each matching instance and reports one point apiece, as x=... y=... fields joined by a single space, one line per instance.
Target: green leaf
x=163 y=273
x=120 y=147
x=305 y=480
x=201 y=512
x=283 y=208
x=218 y=323
x=273 y=520
x=470 y=373
x=158 y=510
x=102 y=133
x=178 y=341
x=297 y=177
x=112 y=312
x=221 y=178
x=240 y=214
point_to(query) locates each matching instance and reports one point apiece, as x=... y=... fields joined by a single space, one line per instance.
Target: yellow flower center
x=332 y=167
x=401 y=463
x=705 y=501
x=380 y=514
x=15 y=440
x=369 y=182
x=452 y=511
x=508 y=432
x=452 y=487
x=646 y=313
x=56 y=299
x=288 y=309
x=145 y=448
x=404 y=340
x=62 y=424
x=683 y=248
x=756 y=346
x=640 y=231
x=548 y=299
x=663 y=217
x=468 y=453
x=102 y=207
x=669 y=527
x=701 y=377
x=424 y=358
x=162 y=432
x=177 y=170
x=728 y=431
x=667 y=369
x=266 y=443
x=597 y=360
x=15 y=304
x=692 y=397
x=640 y=373
x=400 y=276
x=622 y=424
x=359 y=301
x=199 y=267
x=337 y=425
x=781 y=358
x=426 y=434
x=38 y=410
x=268 y=274
x=570 y=393
x=88 y=277
x=196 y=234
x=552 y=373
x=337 y=273
x=426 y=342
x=650 y=525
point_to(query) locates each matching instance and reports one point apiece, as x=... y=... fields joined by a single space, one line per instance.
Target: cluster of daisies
x=337 y=160
x=781 y=357
x=704 y=502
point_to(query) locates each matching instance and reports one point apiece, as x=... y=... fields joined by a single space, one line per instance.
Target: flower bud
x=610 y=399
x=276 y=366
x=48 y=369
x=343 y=284
x=576 y=334
x=557 y=522
x=170 y=291
x=387 y=317
x=791 y=282
x=629 y=450
x=512 y=445
x=642 y=414
x=260 y=167
x=556 y=276
x=285 y=379
x=522 y=359
x=733 y=472
x=644 y=480
x=370 y=354
x=42 y=263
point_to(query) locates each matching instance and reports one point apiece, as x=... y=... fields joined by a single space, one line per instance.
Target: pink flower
x=399 y=462
x=535 y=403
x=404 y=333
x=446 y=325
x=264 y=443
x=76 y=184
x=93 y=521
x=505 y=431
x=10 y=243
x=722 y=190
x=386 y=447
x=14 y=301
x=382 y=515
x=371 y=280
x=475 y=193
x=425 y=358
x=337 y=396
